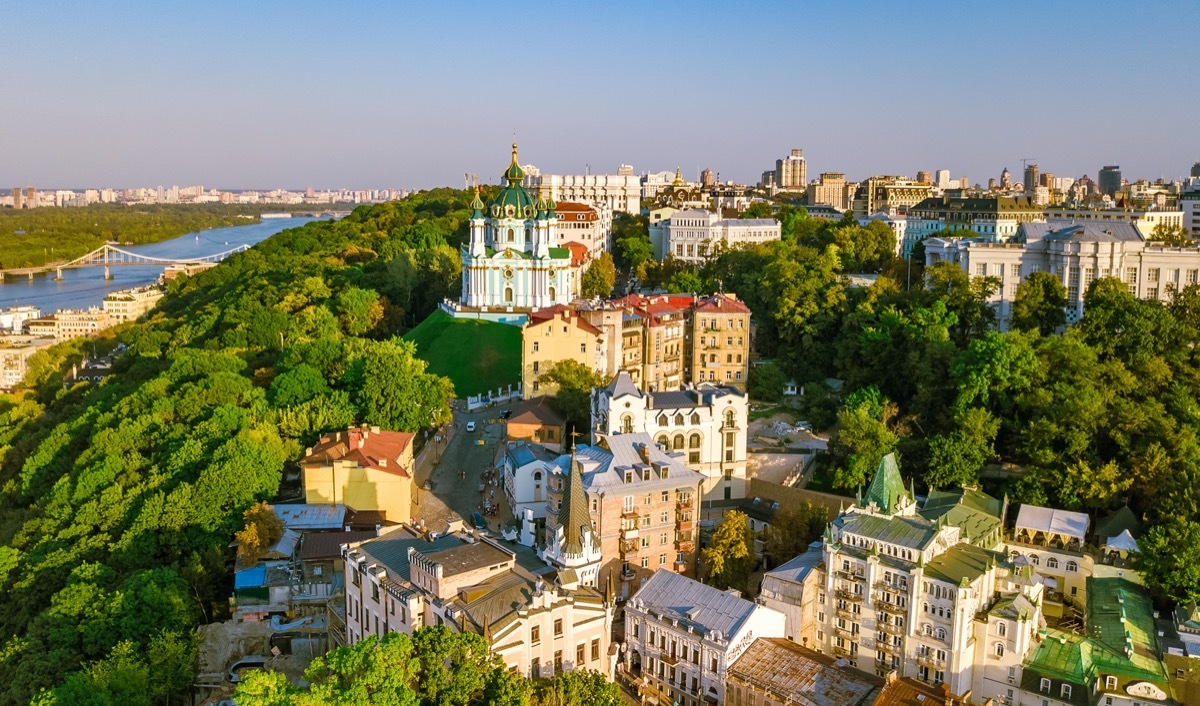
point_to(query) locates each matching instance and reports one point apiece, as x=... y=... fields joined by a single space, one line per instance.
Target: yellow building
x=719 y=329
x=366 y=469
x=552 y=335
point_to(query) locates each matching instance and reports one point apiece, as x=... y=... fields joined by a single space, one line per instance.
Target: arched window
x=928 y=629
x=1002 y=629
x=662 y=441
x=1072 y=566
x=510 y=235
x=537 y=475
x=925 y=607
x=508 y=295
x=999 y=649
x=694 y=441
x=1051 y=562
x=730 y=418
x=627 y=424
x=552 y=294
x=677 y=442
x=1035 y=560
x=678 y=420
x=695 y=418
x=940 y=633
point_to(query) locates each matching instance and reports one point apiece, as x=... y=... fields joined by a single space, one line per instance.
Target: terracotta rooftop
x=366 y=447
x=560 y=312
x=536 y=411
x=580 y=253
x=722 y=304
x=574 y=211
x=910 y=692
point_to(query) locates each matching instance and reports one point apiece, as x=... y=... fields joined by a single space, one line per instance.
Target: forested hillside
x=118 y=500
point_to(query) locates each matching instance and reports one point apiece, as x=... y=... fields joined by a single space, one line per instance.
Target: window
x=535 y=634
x=1035 y=560
x=558 y=627
x=1044 y=686
x=1051 y=562
x=1066 y=691
x=1001 y=629
x=677 y=443
x=999 y=650
x=940 y=633
x=664 y=517
x=557 y=661
x=662 y=559
x=595 y=648
x=535 y=346
x=694 y=441
x=1110 y=682
x=579 y=654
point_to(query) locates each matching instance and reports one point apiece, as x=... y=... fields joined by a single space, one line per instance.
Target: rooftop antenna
x=1025 y=162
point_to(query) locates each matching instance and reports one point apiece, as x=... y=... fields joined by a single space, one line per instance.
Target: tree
x=1171 y=235
x=791 y=530
x=599 y=278
x=685 y=282
x=579 y=687
x=392 y=389
x=122 y=679
x=863 y=437
x=374 y=671
x=631 y=241
x=730 y=554
x=359 y=310
x=1170 y=559
x=262 y=530
x=966 y=297
x=766 y=382
x=573 y=384
x=956 y=459
x=264 y=688
x=758 y=209
x=1040 y=304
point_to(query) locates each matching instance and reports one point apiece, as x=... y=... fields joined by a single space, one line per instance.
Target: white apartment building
x=1144 y=220
x=1189 y=202
x=15 y=351
x=402 y=581
x=12 y=319
x=704 y=424
x=692 y=235
x=1076 y=254
x=590 y=226
x=75 y=323
x=617 y=192
x=682 y=636
x=526 y=472
x=129 y=304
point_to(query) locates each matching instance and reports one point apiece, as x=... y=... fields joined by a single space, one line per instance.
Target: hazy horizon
x=290 y=95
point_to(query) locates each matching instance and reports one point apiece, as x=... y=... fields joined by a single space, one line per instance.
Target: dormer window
x=628 y=476
x=645 y=474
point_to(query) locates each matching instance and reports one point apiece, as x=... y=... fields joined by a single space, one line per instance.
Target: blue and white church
x=512 y=261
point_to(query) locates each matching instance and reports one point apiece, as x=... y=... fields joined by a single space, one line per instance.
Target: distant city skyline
x=263 y=95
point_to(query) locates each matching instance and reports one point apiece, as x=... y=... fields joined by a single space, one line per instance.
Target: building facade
x=401 y=582
x=590 y=226
x=682 y=637
x=1145 y=220
x=791 y=172
x=993 y=218
x=705 y=425
x=1078 y=255
x=552 y=335
x=883 y=193
x=620 y=192
x=831 y=189
x=364 y=468
x=15 y=351
x=129 y=304
x=513 y=259
x=694 y=235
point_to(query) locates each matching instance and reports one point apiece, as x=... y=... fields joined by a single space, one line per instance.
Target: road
x=449 y=495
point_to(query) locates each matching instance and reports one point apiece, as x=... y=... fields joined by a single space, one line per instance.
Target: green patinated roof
x=1120 y=639
x=975 y=512
x=1013 y=607
x=961 y=562
x=560 y=253
x=513 y=194
x=1118 y=522
x=887 y=487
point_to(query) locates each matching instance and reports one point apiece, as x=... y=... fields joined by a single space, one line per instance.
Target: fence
x=499 y=396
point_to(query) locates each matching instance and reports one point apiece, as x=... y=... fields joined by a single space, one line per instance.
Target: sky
x=357 y=94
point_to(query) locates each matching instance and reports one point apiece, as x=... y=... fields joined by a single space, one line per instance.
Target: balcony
x=889 y=648
x=684 y=503
x=680 y=567
x=890 y=608
x=842 y=651
x=931 y=661
x=891 y=628
x=628 y=574
x=685 y=545
x=630 y=547
x=848 y=595
x=685 y=525
x=845 y=632
x=846 y=613
x=848 y=576
x=893 y=587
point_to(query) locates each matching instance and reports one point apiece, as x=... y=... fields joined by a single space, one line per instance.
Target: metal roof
x=795 y=675
x=911 y=532
x=302 y=516
x=693 y=604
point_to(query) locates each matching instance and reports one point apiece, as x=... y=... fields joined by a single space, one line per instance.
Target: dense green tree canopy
x=1040 y=303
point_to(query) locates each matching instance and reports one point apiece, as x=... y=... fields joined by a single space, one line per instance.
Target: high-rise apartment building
x=791 y=172
x=941 y=178
x=17 y=198
x=1196 y=170
x=1110 y=180
x=925 y=177
x=831 y=189
x=1031 y=178
x=31 y=197
x=706 y=178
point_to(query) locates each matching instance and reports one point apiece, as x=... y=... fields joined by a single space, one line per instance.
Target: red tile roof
x=573 y=211
x=368 y=448
x=580 y=253
x=722 y=304
x=560 y=312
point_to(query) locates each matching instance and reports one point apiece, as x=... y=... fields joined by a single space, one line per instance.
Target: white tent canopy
x=1123 y=542
x=1064 y=523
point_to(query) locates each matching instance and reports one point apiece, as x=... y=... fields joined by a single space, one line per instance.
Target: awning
x=1123 y=542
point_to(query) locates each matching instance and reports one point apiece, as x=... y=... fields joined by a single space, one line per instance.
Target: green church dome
x=514 y=201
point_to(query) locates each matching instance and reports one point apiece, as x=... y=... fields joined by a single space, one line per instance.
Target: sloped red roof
x=575 y=212
x=580 y=253
x=722 y=304
x=366 y=447
x=561 y=312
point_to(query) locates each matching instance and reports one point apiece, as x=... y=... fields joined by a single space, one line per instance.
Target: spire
x=477 y=205
x=487 y=630
x=540 y=206
x=573 y=516
x=887 y=487
x=678 y=178
x=514 y=174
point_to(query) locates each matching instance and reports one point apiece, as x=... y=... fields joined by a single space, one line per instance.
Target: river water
x=86 y=286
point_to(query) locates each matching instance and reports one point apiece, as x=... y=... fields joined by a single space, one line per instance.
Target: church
x=513 y=260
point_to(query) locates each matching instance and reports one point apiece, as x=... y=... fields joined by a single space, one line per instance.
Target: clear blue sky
x=288 y=94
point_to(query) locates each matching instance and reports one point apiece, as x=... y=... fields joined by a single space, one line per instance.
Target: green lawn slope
x=477 y=355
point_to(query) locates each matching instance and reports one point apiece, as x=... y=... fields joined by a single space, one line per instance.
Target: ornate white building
x=705 y=424
x=513 y=259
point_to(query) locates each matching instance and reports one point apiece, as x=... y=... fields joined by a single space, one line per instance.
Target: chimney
x=374 y=430
x=383 y=463
x=644 y=452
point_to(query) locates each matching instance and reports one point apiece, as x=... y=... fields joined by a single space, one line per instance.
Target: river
x=85 y=286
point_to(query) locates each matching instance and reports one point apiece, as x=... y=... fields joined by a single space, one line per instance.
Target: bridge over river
x=109 y=255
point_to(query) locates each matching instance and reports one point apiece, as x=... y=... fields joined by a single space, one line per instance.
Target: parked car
x=470 y=426
x=506 y=414
x=478 y=521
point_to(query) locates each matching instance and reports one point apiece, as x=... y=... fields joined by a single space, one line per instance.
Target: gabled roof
x=909 y=532
x=976 y=513
x=368 y=448
x=1118 y=522
x=328 y=545
x=797 y=675
x=536 y=411
x=721 y=304
x=622 y=385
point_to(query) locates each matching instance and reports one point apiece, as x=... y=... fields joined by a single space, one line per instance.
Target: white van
x=470 y=426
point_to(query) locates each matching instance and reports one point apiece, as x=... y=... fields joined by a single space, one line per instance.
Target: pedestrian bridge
x=110 y=255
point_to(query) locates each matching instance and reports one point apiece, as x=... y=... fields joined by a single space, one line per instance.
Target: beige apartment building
x=365 y=468
x=77 y=323
x=14 y=357
x=719 y=331
x=881 y=193
x=831 y=189
x=537 y=625
x=129 y=304
x=1145 y=220
x=642 y=505
x=554 y=334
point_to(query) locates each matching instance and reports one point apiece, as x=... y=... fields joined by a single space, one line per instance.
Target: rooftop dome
x=513 y=201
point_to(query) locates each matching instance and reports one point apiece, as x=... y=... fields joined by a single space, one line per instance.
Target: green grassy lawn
x=477 y=355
